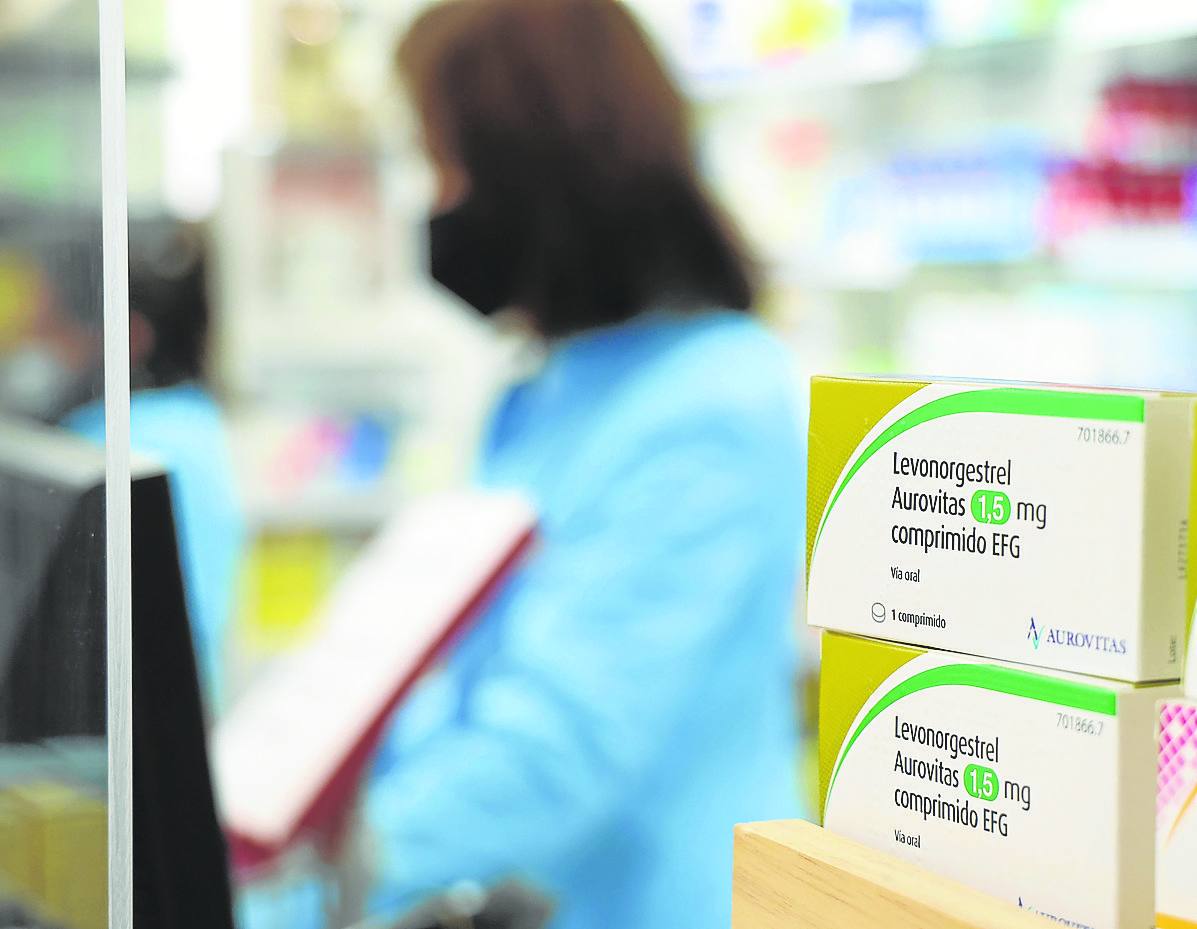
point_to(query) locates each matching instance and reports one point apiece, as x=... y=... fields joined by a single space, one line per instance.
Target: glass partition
x=53 y=654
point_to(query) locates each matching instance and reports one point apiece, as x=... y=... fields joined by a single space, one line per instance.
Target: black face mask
x=473 y=252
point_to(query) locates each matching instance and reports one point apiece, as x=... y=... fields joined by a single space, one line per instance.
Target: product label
x=1176 y=816
x=1000 y=778
x=999 y=522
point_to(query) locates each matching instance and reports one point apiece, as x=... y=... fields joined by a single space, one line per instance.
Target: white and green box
x=1040 y=525
x=1035 y=786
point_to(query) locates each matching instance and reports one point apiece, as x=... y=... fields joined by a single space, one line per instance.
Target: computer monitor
x=53 y=666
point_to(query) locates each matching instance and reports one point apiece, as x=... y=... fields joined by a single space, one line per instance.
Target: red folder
x=289 y=756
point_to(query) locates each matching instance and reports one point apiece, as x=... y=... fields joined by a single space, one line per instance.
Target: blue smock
x=630 y=694
x=182 y=428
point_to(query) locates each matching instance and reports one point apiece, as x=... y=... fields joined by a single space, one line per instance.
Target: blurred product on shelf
x=1147 y=122
x=299 y=461
x=68 y=830
x=909 y=17
x=968 y=206
x=1084 y=195
x=52 y=835
x=324 y=245
x=286 y=579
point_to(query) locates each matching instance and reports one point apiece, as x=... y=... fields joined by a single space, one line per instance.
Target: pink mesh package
x=1176 y=814
x=1177 y=774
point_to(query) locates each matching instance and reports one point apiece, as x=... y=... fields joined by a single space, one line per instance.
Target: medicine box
x=1034 y=786
x=1039 y=525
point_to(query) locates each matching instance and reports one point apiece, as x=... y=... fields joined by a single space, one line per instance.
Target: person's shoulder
x=714 y=383
x=713 y=414
x=722 y=366
x=716 y=388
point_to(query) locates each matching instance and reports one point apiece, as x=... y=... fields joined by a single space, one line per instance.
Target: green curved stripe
x=1021 y=401
x=1072 y=694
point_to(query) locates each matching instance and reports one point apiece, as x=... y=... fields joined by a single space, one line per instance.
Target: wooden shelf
x=794 y=875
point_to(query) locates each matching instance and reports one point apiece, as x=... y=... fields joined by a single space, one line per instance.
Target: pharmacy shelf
x=28 y=65
x=272 y=349
x=1161 y=262
x=1156 y=259
x=855 y=64
x=877 y=61
x=342 y=512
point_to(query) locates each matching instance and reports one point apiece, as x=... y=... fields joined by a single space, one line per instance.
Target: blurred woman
x=629 y=697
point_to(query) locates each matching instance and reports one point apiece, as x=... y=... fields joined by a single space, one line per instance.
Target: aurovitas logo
x=1066 y=638
x=1056 y=919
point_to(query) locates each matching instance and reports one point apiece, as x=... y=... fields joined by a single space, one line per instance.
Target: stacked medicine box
x=1003 y=574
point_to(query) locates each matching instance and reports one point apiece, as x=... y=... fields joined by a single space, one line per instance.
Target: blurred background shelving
x=1001 y=188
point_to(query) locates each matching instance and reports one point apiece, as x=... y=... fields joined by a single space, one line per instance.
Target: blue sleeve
x=608 y=634
x=87 y=422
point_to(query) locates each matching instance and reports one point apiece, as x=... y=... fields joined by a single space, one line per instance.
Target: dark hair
x=560 y=112
x=168 y=288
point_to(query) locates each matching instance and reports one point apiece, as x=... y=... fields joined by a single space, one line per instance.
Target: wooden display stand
x=794 y=875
